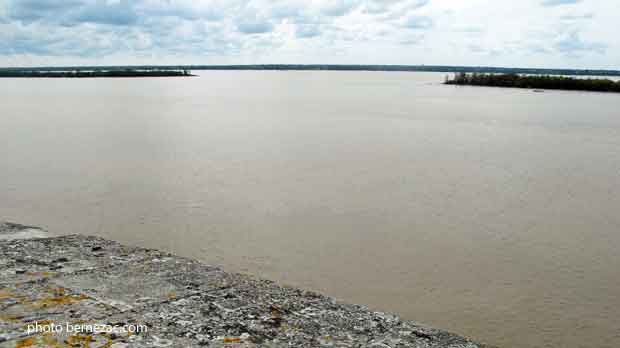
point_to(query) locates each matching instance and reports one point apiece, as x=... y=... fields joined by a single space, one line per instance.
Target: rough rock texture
x=182 y=303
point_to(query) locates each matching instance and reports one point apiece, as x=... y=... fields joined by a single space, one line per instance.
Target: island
x=537 y=82
x=92 y=73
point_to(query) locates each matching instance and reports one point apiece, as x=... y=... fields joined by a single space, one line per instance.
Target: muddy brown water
x=493 y=213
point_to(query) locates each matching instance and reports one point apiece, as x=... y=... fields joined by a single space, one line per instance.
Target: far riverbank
x=123 y=73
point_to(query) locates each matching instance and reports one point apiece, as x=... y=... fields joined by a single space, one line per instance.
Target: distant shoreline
x=331 y=67
x=118 y=73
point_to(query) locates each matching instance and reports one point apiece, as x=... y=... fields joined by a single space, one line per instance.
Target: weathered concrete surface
x=15 y=231
x=183 y=303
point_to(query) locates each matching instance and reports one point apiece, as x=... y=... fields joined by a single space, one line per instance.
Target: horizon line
x=335 y=67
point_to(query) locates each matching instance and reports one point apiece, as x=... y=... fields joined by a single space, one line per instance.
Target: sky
x=524 y=33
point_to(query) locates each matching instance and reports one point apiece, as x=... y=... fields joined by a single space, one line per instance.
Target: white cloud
x=545 y=33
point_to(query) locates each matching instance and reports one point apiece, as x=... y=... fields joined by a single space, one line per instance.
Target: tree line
x=535 y=82
x=94 y=73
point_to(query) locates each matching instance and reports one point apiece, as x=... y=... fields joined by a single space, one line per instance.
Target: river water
x=493 y=213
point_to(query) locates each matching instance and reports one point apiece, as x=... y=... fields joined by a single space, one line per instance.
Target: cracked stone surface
x=81 y=280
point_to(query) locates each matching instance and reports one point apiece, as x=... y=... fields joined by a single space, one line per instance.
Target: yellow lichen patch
x=50 y=341
x=8 y=318
x=275 y=310
x=58 y=300
x=25 y=342
x=89 y=341
x=82 y=341
x=5 y=293
x=39 y=274
x=46 y=340
x=21 y=299
x=57 y=290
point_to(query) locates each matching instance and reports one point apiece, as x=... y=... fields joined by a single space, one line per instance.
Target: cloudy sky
x=532 y=33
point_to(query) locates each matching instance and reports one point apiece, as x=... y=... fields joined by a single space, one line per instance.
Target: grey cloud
x=415 y=4
x=537 y=49
x=417 y=22
x=25 y=43
x=411 y=41
x=37 y=41
x=572 y=44
x=402 y=6
x=476 y=48
x=190 y=10
x=559 y=2
x=28 y=11
x=285 y=10
x=337 y=8
x=254 y=26
x=576 y=17
x=307 y=30
x=72 y=12
x=120 y=13
x=379 y=6
x=176 y=11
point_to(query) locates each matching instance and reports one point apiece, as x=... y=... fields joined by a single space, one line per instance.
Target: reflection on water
x=489 y=212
